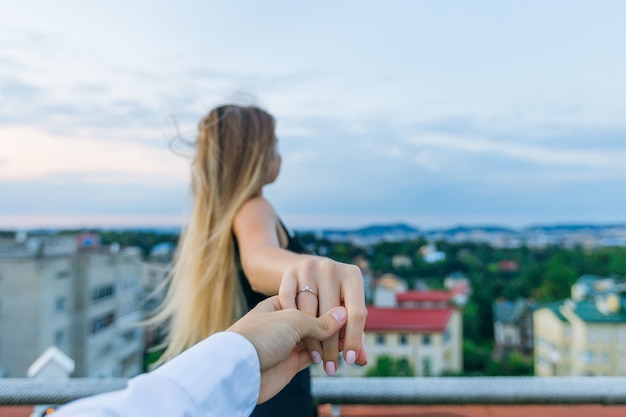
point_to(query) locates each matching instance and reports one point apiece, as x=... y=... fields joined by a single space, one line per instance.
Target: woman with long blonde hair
x=235 y=252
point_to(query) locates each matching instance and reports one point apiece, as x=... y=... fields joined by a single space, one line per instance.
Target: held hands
x=316 y=286
x=318 y=313
x=277 y=336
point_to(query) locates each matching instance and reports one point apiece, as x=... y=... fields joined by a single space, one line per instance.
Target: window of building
x=606 y=357
x=63 y=274
x=403 y=339
x=102 y=293
x=446 y=336
x=540 y=343
x=129 y=335
x=100 y=323
x=427 y=364
x=130 y=363
x=126 y=308
x=592 y=336
x=588 y=357
x=129 y=285
x=59 y=339
x=605 y=335
x=60 y=305
x=380 y=339
x=106 y=350
x=426 y=339
x=543 y=363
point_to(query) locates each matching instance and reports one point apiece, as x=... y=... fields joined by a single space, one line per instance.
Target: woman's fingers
x=329 y=298
x=315 y=286
x=288 y=289
x=306 y=302
x=354 y=300
x=361 y=358
x=298 y=290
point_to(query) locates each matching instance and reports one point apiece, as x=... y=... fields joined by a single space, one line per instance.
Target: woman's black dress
x=295 y=399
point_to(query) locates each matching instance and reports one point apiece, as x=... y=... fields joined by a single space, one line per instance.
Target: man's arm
x=219 y=376
x=225 y=374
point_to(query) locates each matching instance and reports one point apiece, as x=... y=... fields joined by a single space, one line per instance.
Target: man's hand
x=277 y=336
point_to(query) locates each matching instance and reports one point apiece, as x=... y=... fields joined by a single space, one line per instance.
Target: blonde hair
x=234 y=148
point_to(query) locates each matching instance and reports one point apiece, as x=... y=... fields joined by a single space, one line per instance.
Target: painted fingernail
x=339 y=314
x=330 y=368
x=350 y=357
x=315 y=355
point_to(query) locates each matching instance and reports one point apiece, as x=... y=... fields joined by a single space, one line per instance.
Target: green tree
x=388 y=366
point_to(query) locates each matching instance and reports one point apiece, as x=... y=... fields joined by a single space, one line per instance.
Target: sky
x=432 y=113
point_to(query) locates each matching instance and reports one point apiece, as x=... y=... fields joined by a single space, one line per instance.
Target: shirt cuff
x=224 y=368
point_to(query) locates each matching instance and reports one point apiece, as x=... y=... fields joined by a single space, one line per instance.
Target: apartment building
x=513 y=327
x=72 y=293
x=154 y=276
x=584 y=335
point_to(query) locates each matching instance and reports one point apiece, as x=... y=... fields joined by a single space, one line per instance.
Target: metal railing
x=432 y=391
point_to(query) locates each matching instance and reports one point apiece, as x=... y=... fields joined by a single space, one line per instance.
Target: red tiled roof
x=423 y=296
x=407 y=319
x=459 y=289
x=577 y=410
x=16 y=411
x=508 y=265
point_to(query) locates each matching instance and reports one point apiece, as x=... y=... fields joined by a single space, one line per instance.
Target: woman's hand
x=315 y=286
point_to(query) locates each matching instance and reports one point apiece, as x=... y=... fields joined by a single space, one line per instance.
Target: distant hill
x=371 y=234
x=468 y=229
x=392 y=231
x=374 y=230
x=605 y=234
x=572 y=227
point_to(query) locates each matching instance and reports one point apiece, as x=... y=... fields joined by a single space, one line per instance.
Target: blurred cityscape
x=468 y=301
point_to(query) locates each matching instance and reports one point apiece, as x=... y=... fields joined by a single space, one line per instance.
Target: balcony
x=573 y=396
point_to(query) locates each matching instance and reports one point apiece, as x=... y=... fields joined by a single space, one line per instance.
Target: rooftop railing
x=423 y=391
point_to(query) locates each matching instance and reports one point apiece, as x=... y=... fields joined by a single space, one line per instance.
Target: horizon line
x=142 y=225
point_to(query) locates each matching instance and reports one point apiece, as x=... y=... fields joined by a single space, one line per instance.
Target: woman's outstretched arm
x=330 y=283
x=263 y=260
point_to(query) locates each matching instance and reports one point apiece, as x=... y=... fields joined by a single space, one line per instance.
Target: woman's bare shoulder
x=257 y=205
x=257 y=210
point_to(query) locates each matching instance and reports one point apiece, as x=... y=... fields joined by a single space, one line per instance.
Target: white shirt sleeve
x=219 y=376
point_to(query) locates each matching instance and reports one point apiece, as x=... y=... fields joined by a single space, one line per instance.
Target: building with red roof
x=429 y=338
x=428 y=334
x=422 y=327
x=408 y=319
x=424 y=299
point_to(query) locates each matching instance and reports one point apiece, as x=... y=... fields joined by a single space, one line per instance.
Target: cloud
x=11 y=88
x=541 y=155
x=88 y=220
x=31 y=154
x=429 y=160
x=420 y=114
